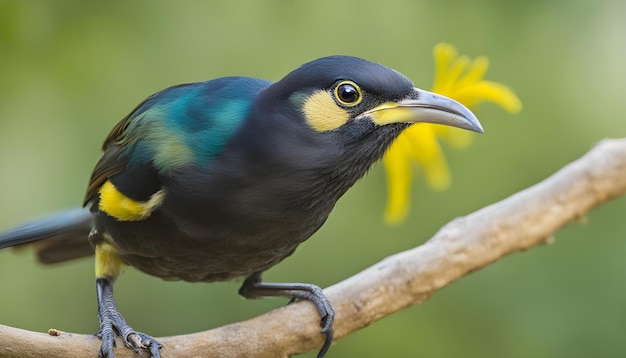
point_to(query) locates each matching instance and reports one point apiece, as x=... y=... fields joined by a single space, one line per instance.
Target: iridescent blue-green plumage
x=198 y=119
x=183 y=125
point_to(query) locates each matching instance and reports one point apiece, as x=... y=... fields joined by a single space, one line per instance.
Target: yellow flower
x=459 y=78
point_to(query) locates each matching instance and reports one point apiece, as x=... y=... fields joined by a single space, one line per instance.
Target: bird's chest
x=229 y=230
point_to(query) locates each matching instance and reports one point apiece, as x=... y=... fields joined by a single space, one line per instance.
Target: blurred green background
x=69 y=70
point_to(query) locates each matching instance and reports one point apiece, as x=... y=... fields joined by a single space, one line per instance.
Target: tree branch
x=464 y=245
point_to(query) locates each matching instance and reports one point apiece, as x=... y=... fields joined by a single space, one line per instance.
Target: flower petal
x=461 y=79
x=454 y=137
x=491 y=92
x=398 y=171
x=475 y=73
x=445 y=55
x=422 y=146
x=431 y=158
x=449 y=79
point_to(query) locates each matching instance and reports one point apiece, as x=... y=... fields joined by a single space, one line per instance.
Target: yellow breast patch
x=322 y=112
x=123 y=208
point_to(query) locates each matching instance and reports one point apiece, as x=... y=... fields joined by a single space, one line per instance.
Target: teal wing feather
x=182 y=125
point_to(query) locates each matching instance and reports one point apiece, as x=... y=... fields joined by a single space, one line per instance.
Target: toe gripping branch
x=253 y=287
x=112 y=322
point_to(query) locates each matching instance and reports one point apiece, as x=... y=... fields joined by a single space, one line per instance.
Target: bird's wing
x=113 y=160
x=180 y=126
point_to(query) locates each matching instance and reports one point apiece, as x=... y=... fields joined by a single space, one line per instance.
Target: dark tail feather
x=58 y=237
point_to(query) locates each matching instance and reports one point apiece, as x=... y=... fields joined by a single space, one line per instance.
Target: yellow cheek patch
x=108 y=262
x=322 y=113
x=123 y=208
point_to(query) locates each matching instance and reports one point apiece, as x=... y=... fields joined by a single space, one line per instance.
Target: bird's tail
x=58 y=237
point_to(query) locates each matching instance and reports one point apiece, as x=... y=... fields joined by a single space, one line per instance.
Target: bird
x=221 y=180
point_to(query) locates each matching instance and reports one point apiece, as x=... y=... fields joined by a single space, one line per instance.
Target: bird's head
x=332 y=118
x=353 y=98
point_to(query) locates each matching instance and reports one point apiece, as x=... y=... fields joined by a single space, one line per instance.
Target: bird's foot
x=137 y=341
x=314 y=294
x=253 y=287
x=112 y=323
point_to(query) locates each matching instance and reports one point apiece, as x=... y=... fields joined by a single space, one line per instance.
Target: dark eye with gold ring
x=348 y=93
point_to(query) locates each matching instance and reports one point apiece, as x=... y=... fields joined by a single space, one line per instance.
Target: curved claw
x=108 y=342
x=315 y=295
x=327 y=342
x=143 y=341
x=253 y=287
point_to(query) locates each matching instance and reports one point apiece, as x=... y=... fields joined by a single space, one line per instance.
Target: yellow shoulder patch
x=322 y=113
x=123 y=208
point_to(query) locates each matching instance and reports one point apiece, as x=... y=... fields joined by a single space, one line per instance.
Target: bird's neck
x=357 y=157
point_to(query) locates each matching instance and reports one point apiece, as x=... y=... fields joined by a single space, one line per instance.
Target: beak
x=427 y=107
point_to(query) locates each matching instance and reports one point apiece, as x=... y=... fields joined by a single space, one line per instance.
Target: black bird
x=223 y=179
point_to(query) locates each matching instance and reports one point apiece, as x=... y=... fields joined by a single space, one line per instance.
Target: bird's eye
x=348 y=93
